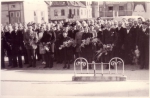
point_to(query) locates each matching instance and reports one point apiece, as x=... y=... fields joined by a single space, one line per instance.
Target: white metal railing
x=83 y=62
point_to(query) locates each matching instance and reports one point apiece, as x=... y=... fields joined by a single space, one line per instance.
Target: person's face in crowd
x=10 y=28
x=6 y=29
x=86 y=29
x=58 y=27
x=115 y=23
x=42 y=28
x=54 y=28
x=130 y=24
x=127 y=26
x=144 y=26
x=135 y=23
x=108 y=25
x=75 y=28
x=65 y=34
x=34 y=26
x=20 y=27
x=140 y=21
x=15 y=27
x=119 y=24
x=38 y=26
x=48 y=27
x=30 y=28
x=66 y=29
x=55 y=22
x=2 y=27
x=92 y=27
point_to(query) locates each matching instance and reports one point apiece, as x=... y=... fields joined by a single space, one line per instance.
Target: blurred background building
x=24 y=11
x=116 y=9
x=71 y=10
x=40 y=11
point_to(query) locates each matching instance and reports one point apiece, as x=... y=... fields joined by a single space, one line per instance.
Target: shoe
x=51 y=67
x=64 y=67
x=13 y=66
x=29 y=66
x=26 y=63
x=141 y=67
x=68 y=67
x=34 y=66
x=46 y=67
x=20 y=67
x=43 y=63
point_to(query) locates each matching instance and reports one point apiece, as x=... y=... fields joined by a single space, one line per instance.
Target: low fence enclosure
x=83 y=73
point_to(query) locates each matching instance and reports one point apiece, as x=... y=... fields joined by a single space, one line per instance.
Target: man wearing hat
x=17 y=44
x=30 y=40
x=143 y=46
x=72 y=33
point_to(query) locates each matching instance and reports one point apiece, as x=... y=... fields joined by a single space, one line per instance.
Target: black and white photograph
x=70 y=49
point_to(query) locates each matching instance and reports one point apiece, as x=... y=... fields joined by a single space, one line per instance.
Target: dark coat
x=110 y=37
x=67 y=51
x=72 y=33
x=49 y=36
x=120 y=36
x=17 y=38
x=87 y=49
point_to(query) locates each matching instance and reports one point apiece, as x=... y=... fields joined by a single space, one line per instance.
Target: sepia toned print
x=74 y=48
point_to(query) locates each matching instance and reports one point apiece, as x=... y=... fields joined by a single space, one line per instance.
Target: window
x=62 y=12
x=100 y=9
x=11 y=14
x=55 y=13
x=34 y=13
x=13 y=6
x=74 y=11
x=110 y=8
x=17 y=14
x=41 y=13
x=78 y=12
x=121 y=8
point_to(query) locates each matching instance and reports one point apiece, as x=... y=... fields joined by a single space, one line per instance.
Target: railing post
x=87 y=67
x=94 y=68
x=109 y=68
x=81 y=65
x=102 y=68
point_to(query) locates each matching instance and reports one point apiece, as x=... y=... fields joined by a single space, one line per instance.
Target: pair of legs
x=48 y=59
x=32 y=57
x=16 y=54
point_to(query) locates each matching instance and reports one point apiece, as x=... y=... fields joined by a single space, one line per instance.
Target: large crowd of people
x=45 y=42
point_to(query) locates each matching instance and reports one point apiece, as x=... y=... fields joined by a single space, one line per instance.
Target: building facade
x=116 y=9
x=24 y=12
x=71 y=10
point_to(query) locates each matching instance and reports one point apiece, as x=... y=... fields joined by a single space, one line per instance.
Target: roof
x=67 y=3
